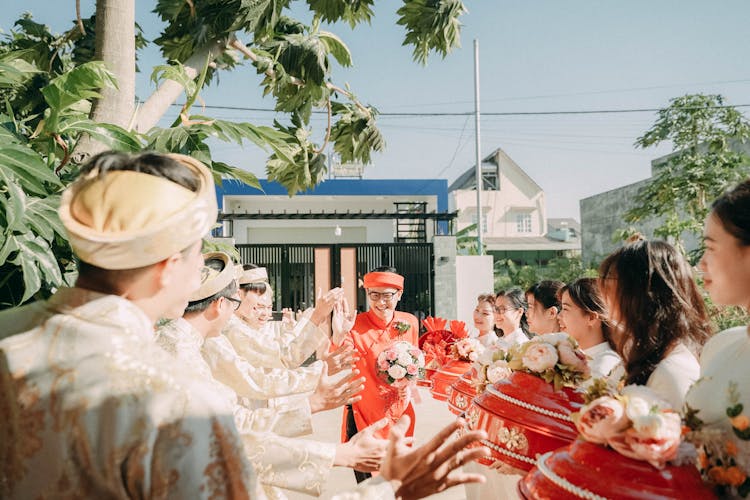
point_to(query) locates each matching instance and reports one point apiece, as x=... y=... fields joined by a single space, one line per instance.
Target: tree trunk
x=115 y=45
x=158 y=103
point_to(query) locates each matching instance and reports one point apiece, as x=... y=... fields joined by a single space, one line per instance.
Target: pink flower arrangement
x=400 y=363
x=635 y=422
x=555 y=357
x=467 y=349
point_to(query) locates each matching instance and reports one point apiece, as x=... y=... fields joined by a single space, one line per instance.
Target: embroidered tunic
x=370 y=336
x=292 y=464
x=91 y=407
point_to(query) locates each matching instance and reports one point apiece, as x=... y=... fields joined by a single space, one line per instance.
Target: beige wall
x=473 y=278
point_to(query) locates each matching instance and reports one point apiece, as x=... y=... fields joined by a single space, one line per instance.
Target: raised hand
x=325 y=304
x=288 y=319
x=341 y=359
x=363 y=452
x=331 y=394
x=431 y=468
x=342 y=322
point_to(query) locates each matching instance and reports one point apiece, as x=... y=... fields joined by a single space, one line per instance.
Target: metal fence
x=291 y=271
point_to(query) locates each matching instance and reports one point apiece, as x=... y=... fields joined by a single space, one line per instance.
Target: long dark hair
x=733 y=210
x=517 y=298
x=585 y=294
x=658 y=304
x=547 y=293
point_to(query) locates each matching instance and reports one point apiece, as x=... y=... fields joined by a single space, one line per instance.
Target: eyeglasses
x=503 y=310
x=378 y=296
x=237 y=302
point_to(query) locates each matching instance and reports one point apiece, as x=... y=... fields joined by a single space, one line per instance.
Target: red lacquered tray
x=462 y=391
x=445 y=376
x=524 y=417
x=587 y=470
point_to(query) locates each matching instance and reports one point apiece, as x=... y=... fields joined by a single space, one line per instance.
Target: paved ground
x=431 y=416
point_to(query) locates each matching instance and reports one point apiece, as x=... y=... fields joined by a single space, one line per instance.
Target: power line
x=499 y=113
x=591 y=92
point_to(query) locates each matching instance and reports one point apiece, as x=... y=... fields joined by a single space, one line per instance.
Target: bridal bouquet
x=400 y=363
x=634 y=422
x=555 y=357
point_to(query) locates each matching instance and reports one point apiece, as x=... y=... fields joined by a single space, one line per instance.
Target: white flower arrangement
x=400 y=363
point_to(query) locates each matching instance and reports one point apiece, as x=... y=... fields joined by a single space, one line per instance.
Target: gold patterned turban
x=213 y=281
x=256 y=275
x=127 y=219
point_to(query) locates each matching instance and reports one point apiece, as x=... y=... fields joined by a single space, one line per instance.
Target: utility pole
x=480 y=247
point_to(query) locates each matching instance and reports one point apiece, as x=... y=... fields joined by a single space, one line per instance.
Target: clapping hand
x=363 y=452
x=324 y=304
x=330 y=393
x=431 y=468
x=342 y=322
x=341 y=359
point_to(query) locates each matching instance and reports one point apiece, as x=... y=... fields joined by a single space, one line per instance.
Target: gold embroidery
x=23 y=421
x=172 y=441
x=224 y=476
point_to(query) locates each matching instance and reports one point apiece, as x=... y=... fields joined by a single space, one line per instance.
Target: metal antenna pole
x=480 y=247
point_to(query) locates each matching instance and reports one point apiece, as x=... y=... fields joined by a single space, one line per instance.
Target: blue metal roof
x=347 y=187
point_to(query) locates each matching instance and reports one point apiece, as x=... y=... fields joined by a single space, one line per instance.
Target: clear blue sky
x=544 y=55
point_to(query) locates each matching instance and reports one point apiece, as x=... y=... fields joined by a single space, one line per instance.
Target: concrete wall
x=445 y=276
x=473 y=277
x=459 y=280
x=604 y=214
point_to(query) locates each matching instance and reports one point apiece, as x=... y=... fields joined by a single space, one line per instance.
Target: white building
x=514 y=213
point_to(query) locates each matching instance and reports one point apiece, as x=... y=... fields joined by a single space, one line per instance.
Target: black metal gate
x=291 y=271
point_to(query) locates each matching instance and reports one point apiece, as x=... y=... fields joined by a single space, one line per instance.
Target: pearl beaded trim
x=563 y=483
x=517 y=456
x=529 y=406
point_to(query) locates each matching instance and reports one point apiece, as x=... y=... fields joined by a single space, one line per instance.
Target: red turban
x=384 y=280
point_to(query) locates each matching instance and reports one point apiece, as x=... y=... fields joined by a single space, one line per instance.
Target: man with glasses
x=369 y=334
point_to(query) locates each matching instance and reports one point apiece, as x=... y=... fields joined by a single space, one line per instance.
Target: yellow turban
x=213 y=281
x=126 y=219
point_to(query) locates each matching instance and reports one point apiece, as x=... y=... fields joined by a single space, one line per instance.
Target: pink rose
x=602 y=419
x=391 y=354
x=575 y=359
x=415 y=352
x=539 y=356
x=498 y=370
x=412 y=369
x=655 y=450
x=383 y=364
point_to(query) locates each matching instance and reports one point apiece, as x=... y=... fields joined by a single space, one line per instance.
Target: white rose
x=397 y=372
x=657 y=449
x=498 y=371
x=485 y=358
x=539 y=357
x=640 y=401
x=404 y=359
x=601 y=419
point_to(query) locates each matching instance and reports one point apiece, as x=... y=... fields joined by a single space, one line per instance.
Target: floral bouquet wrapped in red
x=435 y=344
x=462 y=351
x=400 y=364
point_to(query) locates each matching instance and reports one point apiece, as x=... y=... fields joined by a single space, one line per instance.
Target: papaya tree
x=64 y=97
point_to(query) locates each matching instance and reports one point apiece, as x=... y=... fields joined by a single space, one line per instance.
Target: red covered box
x=445 y=376
x=524 y=417
x=462 y=392
x=591 y=471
